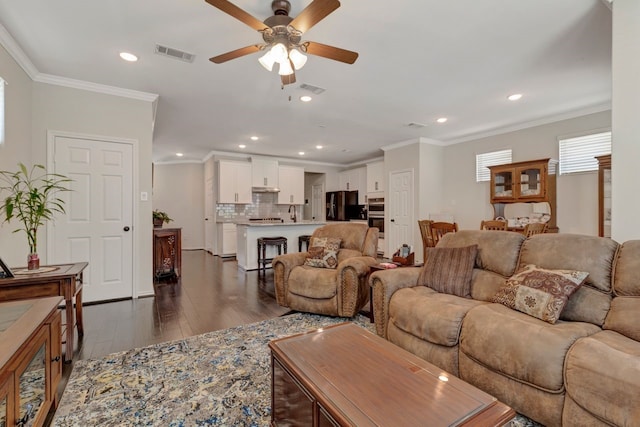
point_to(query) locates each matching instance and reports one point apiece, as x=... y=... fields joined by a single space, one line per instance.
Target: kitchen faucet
x=293 y=217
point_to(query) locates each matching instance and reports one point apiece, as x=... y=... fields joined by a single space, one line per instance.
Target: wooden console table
x=63 y=280
x=30 y=367
x=167 y=252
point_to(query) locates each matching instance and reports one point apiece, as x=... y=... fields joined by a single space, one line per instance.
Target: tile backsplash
x=263 y=206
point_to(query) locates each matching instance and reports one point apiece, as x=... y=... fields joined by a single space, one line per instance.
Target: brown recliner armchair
x=342 y=291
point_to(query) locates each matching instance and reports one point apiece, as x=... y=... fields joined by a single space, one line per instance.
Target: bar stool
x=304 y=238
x=280 y=242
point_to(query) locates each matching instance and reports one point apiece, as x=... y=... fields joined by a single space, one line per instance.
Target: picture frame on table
x=6 y=272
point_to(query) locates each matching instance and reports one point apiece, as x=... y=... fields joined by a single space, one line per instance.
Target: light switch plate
x=144 y=196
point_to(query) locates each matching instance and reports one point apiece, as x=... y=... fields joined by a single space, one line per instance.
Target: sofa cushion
x=624 y=317
x=323 y=252
x=539 y=292
x=626 y=281
x=429 y=315
x=602 y=375
x=498 y=251
x=311 y=282
x=519 y=346
x=449 y=270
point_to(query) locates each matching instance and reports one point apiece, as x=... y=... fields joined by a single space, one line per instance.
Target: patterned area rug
x=218 y=378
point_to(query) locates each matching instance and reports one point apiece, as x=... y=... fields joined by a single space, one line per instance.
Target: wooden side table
x=167 y=252
x=63 y=280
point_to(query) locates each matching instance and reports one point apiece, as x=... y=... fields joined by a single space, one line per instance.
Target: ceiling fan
x=282 y=36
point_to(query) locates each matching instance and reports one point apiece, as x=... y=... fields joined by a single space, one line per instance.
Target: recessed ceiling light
x=128 y=56
x=179 y=154
x=301 y=153
x=242 y=146
x=305 y=98
x=442 y=120
x=254 y=138
x=514 y=97
x=319 y=147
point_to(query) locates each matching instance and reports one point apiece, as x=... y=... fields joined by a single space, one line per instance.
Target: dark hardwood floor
x=212 y=294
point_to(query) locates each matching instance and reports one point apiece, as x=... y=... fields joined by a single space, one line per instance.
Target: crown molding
x=17 y=53
x=95 y=87
x=420 y=140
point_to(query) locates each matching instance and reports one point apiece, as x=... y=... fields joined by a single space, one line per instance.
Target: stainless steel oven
x=375 y=214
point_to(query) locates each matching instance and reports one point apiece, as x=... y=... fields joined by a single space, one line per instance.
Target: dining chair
x=425 y=232
x=535 y=228
x=439 y=229
x=493 y=224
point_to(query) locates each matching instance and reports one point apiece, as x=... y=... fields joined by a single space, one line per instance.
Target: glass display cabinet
x=604 y=195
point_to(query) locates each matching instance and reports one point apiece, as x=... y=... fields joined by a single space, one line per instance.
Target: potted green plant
x=31 y=198
x=160 y=218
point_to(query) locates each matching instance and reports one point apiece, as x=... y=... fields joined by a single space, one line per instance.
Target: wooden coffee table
x=343 y=375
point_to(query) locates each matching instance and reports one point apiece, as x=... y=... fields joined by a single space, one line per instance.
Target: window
x=578 y=154
x=2 y=83
x=483 y=160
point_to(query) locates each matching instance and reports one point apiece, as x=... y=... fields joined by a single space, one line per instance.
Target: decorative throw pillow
x=323 y=252
x=449 y=270
x=539 y=292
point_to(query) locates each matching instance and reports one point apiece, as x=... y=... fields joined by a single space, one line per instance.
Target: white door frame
x=51 y=138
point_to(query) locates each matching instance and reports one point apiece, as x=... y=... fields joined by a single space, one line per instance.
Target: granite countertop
x=272 y=224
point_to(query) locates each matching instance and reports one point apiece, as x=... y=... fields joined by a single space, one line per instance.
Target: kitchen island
x=250 y=232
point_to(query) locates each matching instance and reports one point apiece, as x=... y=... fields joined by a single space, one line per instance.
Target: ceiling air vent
x=174 y=53
x=415 y=125
x=315 y=89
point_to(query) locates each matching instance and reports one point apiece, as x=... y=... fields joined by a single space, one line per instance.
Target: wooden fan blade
x=331 y=52
x=314 y=13
x=235 y=54
x=287 y=80
x=233 y=10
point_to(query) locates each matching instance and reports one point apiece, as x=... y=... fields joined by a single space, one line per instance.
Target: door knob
x=126 y=228
x=393 y=220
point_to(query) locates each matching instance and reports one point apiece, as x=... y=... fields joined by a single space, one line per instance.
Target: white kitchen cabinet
x=332 y=182
x=264 y=172
x=291 y=184
x=227 y=239
x=375 y=177
x=354 y=180
x=234 y=182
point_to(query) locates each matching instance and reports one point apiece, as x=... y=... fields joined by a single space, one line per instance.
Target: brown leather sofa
x=340 y=291
x=583 y=370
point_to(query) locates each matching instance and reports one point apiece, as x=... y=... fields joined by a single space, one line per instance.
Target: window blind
x=578 y=154
x=493 y=158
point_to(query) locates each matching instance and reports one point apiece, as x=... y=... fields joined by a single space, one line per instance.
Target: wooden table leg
x=68 y=349
x=79 y=321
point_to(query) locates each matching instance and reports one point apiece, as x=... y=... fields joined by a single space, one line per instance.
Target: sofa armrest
x=352 y=292
x=385 y=284
x=282 y=266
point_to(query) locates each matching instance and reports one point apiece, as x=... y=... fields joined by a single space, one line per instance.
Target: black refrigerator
x=342 y=205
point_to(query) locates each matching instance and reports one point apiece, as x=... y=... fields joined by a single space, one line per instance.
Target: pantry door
x=400 y=209
x=97 y=225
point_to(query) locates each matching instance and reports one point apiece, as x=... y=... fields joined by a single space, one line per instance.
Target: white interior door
x=209 y=217
x=317 y=203
x=99 y=215
x=400 y=210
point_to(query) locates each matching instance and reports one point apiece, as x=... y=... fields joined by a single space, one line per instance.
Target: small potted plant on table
x=31 y=198
x=160 y=218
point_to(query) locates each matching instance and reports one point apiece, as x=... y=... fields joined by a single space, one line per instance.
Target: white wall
x=577 y=195
x=625 y=168
x=178 y=190
x=17 y=148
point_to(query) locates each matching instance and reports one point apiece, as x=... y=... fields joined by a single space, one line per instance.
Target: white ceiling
x=419 y=60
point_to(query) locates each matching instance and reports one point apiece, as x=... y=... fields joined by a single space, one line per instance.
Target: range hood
x=265 y=190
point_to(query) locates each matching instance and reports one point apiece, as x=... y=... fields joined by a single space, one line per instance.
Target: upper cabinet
x=375 y=177
x=532 y=181
x=604 y=195
x=264 y=172
x=234 y=182
x=291 y=181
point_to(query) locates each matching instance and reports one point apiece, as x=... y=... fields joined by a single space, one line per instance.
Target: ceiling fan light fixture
x=285 y=68
x=267 y=60
x=279 y=52
x=297 y=58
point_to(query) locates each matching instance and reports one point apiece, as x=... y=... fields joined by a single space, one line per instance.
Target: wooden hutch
x=532 y=181
x=604 y=195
